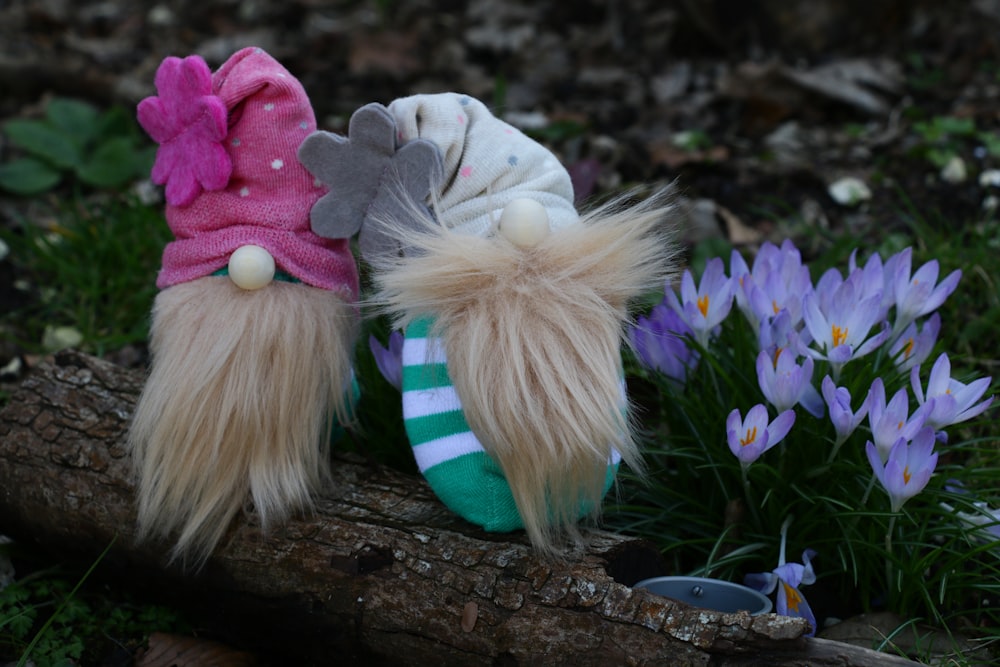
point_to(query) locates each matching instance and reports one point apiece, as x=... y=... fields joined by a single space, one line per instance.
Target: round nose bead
x=251 y=267
x=524 y=222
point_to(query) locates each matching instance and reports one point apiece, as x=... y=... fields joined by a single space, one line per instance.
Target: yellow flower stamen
x=908 y=348
x=777 y=354
x=906 y=475
x=703 y=305
x=751 y=436
x=793 y=596
x=839 y=335
x=774 y=305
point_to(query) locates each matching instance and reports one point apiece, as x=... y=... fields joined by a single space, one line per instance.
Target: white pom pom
x=251 y=267
x=524 y=222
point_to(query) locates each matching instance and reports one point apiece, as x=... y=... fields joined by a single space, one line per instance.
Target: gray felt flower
x=368 y=175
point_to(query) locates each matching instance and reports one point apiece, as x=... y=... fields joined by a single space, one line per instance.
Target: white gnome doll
x=254 y=327
x=514 y=310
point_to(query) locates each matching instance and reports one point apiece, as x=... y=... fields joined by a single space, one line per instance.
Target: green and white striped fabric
x=448 y=453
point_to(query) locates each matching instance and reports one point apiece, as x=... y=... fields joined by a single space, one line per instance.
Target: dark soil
x=613 y=81
x=776 y=99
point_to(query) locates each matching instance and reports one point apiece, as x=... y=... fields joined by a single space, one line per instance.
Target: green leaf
x=142 y=160
x=75 y=119
x=939 y=157
x=73 y=648
x=112 y=164
x=19 y=621
x=28 y=176
x=961 y=127
x=115 y=122
x=560 y=130
x=74 y=609
x=991 y=142
x=930 y=132
x=45 y=141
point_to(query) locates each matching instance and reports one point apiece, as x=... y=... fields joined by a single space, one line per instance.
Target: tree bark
x=380 y=570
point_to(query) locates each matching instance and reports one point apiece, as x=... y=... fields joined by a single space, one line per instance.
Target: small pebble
x=60 y=338
x=954 y=171
x=990 y=178
x=161 y=16
x=527 y=120
x=849 y=191
x=12 y=370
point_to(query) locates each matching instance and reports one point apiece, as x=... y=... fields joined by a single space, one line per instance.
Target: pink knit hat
x=227 y=156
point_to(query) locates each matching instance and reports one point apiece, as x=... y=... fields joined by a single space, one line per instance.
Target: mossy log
x=380 y=571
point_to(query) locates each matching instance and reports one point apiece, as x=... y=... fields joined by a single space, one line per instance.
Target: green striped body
x=449 y=455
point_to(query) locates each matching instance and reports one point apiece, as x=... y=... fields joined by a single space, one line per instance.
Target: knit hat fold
x=487 y=162
x=266 y=197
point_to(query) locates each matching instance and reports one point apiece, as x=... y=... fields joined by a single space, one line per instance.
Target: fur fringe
x=240 y=402
x=533 y=338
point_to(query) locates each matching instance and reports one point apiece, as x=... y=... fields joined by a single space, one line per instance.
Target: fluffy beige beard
x=244 y=389
x=533 y=339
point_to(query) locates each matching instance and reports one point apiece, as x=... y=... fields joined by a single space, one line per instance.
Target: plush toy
x=513 y=307
x=254 y=327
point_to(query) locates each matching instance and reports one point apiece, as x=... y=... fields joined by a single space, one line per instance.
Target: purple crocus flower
x=658 y=341
x=891 y=422
x=838 y=400
x=739 y=271
x=952 y=401
x=919 y=294
x=879 y=276
x=984 y=523
x=840 y=315
x=912 y=347
x=704 y=307
x=786 y=383
x=780 y=291
x=985 y=520
x=777 y=283
x=389 y=360
x=777 y=332
x=786 y=579
x=865 y=282
x=749 y=438
x=908 y=468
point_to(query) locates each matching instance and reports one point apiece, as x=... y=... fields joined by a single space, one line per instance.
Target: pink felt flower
x=190 y=124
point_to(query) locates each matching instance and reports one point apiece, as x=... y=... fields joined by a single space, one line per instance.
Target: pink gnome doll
x=254 y=327
x=514 y=309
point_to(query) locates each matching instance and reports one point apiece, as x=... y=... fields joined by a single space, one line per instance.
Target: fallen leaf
x=470 y=613
x=170 y=650
x=583 y=175
x=672 y=156
x=854 y=82
x=859 y=83
x=391 y=53
x=739 y=234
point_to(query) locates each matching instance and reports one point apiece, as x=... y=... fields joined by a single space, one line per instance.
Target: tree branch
x=380 y=569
